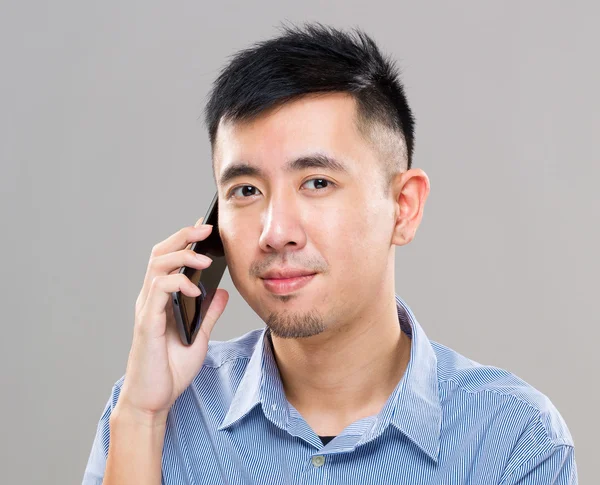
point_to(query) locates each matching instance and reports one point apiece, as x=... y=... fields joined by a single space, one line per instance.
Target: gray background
x=103 y=155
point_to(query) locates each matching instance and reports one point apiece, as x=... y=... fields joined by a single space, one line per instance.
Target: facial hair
x=295 y=324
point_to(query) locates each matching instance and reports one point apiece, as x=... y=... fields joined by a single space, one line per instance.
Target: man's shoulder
x=497 y=390
x=223 y=351
x=473 y=377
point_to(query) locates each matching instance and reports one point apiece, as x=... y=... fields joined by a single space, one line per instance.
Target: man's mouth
x=280 y=285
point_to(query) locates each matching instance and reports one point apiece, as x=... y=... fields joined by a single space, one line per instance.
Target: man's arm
x=127 y=447
x=130 y=435
x=554 y=468
x=136 y=445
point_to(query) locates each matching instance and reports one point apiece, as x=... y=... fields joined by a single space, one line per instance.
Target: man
x=312 y=141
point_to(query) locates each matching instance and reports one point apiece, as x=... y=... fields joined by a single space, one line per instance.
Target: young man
x=312 y=142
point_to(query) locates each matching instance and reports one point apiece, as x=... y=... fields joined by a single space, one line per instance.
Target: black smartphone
x=190 y=311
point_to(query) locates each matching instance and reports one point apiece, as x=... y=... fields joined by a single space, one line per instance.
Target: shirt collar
x=413 y=408
x=417 y=409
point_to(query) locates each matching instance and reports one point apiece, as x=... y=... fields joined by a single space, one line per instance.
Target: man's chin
x=294 y=324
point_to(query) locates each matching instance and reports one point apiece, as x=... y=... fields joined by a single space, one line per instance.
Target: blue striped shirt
x=450 y=420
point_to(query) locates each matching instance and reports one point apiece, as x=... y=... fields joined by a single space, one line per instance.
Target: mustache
x=312 y=264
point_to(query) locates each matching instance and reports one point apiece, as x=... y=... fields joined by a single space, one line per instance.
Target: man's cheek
x=235 y=264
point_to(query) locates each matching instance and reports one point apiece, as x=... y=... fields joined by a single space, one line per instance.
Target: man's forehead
x=317 y=124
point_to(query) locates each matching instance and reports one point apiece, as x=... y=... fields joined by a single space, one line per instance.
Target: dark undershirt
x=326 y=439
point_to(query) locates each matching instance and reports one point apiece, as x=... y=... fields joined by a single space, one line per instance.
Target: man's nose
x=282 y=226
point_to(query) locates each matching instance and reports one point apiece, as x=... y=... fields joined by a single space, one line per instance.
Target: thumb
x=198 y=222
x=215 y=310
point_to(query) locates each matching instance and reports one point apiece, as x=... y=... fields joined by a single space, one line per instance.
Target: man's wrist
x=124 y=414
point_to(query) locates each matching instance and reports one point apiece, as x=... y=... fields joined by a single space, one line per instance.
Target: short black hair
x=317 y=59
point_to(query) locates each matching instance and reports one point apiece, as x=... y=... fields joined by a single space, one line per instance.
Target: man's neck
x=339 y=376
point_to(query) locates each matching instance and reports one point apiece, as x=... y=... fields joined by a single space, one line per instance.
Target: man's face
x=336 y=224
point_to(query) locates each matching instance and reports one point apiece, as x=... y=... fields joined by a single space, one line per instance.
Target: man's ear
x=410 y=190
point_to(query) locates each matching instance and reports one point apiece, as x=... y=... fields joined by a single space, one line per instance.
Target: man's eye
x=243 y=191
x=320 y=183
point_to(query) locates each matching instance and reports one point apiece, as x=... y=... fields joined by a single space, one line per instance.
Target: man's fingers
x=154 y=310
x=184 y=238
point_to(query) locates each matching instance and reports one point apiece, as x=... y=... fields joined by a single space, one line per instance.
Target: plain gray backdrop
x=104 y=154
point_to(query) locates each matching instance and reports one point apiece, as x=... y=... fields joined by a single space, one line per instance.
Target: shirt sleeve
x=554 y=468
x=96 y=465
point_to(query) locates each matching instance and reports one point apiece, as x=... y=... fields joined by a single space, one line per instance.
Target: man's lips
x=282 y=286
x=283 y=273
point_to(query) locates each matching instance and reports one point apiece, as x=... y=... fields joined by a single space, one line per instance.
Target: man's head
x=312 y=142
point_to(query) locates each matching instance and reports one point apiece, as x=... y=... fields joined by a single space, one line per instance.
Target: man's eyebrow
x=239 y=169
x=318 y=160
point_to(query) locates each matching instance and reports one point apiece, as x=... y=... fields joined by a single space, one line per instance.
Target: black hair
x=311 y=60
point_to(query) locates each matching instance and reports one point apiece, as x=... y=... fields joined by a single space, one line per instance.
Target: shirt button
x=318 y=460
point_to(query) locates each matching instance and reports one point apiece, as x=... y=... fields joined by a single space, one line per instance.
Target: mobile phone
x=190 y=311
